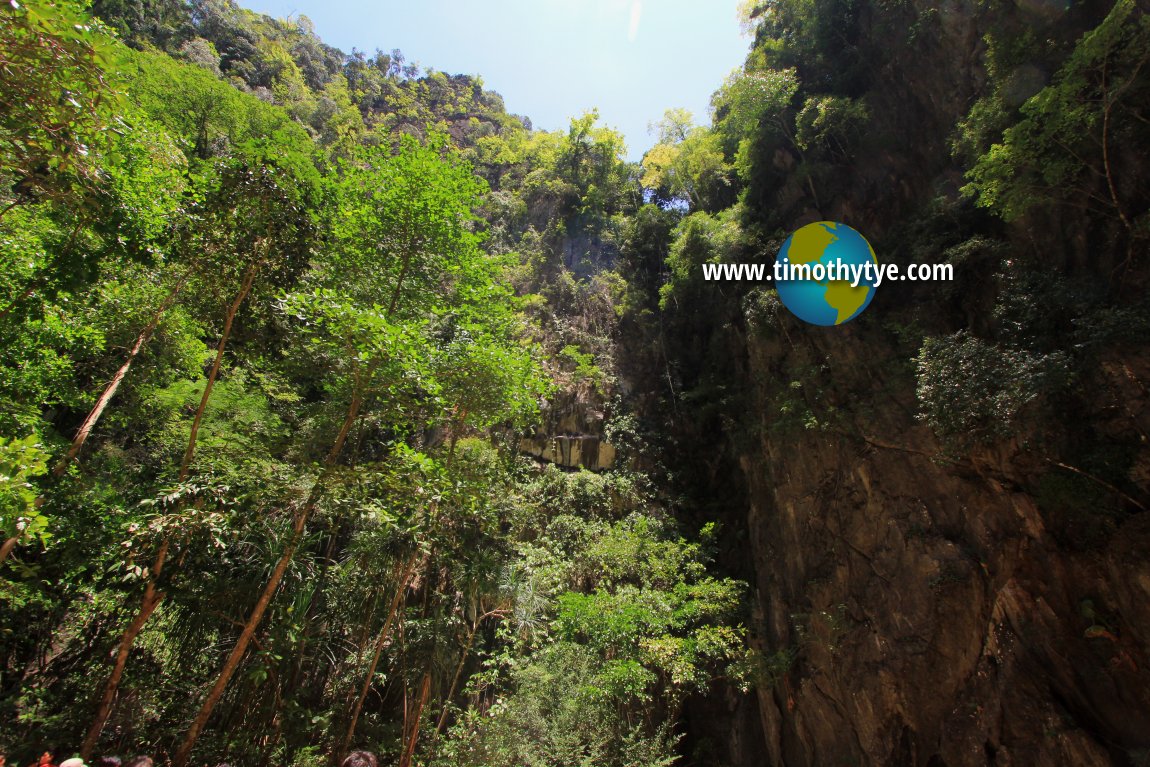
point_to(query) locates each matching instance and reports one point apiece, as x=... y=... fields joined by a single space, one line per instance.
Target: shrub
x=971 y=391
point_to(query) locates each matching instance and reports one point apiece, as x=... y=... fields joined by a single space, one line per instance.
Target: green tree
x=21 y=461
x=146 y=175
x=687 y=164
x=254 y=219
x=405 y=221
x=611 y=661
x=56 y=99
x=1069 y=146
x=406 y=226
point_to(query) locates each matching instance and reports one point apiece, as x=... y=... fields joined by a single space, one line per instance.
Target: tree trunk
x=399 y=285
x=10 y=206
x=152 y=596
x=380 y=640
x=409 y=749
x=459 y=669
x=458 y=419
x=233 y=661
x=151 y=601
x=15 y=301
x=245 y=288
x=114 y=384
x=7 y=547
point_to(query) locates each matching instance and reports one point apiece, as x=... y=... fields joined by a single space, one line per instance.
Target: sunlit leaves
x=56 y=99
x=406 y=227
x=688 y=166
x=146 y=180
x=748 y=97
x=1067 y=146
x=639 y=626
x=830 y=123
x=209 y=115
x=383 y=354
x=251 y=215
x=488 y=381
x=21 y=462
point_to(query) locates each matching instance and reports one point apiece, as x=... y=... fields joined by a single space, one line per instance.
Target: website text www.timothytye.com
x=869 y=272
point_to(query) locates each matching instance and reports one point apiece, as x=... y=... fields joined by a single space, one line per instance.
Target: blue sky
x=552 y=59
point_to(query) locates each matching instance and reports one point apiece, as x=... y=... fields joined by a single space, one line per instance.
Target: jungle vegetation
x=274 y=319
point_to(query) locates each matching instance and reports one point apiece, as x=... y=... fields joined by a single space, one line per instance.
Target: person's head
x=360 y=759
x=75 y=761
x=108 y=761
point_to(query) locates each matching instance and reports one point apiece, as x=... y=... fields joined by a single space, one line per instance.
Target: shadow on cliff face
x=941 y=507
x=933 y=609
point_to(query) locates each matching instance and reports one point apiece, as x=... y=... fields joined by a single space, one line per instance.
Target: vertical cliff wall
x=920 y=610
x=923 y=598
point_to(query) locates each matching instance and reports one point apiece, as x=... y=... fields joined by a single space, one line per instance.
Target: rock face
x=571 y=451
x=913 y=605
x=571 y=435
x=586 y=254
x=917 y=611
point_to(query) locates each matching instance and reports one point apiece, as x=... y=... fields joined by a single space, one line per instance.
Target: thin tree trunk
x=393 y=609
x=245 y=288
x=6 y=548
x=110 y=391
x=409 y=750
x=148 y=605
x=152 y=596
x=459 y=671
x=383 y=634
x=399 y=285
x=27 y=292
x=1101 y=482
x=233 y=660
x=1109 y=105
x=455 y=426
x=455 y=681
x=9 y=207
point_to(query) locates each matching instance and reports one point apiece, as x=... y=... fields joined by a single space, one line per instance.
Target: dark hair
x=108 y=761
x=139 y=761
x=360 y=759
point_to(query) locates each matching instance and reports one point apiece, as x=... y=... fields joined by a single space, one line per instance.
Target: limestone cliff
x=919 y=610
x=917 y=601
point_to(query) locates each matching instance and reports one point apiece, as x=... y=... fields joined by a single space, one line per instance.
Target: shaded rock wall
x=572 y=452
x=919 y=611
x=571 y=434
x=913 y=605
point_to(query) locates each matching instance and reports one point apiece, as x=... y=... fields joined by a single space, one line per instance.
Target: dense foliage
x=274 y=320
x=279 y=323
